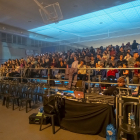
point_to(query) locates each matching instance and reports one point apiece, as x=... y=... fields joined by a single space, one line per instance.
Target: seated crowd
x=109 y=57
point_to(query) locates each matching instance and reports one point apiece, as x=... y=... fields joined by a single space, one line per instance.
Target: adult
x=121 y=52
x=121 y=61
x=114 y=89
x=82 y=70
x=132 y=60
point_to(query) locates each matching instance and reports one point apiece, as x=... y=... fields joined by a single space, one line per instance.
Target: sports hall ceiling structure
x=84 y=20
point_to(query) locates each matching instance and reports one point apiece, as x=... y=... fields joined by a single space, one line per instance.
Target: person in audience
x=99 y=59
x=34 y=62
x=121 y=61
x=70 y=61
x=92 y=62
x=112 y=61
x=112 y=52
x=75 y=63
x=136 y=76
x=108 y=52
x=99 y=72
x=105 y=57
x=88 y=71
x=125 y=72
x=82 y=71
x=127 y=57
x=111 y=74
x=127 y=47
x=132 y=60
x=61 y=72
x=123 y=46
x=121 y=52
x=134 y=45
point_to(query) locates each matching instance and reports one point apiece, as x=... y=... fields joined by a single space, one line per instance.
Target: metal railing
x=48 y=78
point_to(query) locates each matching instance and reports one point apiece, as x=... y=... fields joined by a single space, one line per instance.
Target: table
x=87 y=118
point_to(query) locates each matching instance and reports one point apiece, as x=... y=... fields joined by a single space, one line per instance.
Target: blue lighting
x=118 y=18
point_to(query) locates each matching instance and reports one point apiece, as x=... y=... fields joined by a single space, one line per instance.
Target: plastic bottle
x=132 y=117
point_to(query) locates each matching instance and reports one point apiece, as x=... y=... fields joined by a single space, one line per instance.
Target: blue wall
x=47 y=49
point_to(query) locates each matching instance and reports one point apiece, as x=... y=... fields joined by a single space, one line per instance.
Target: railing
x=48 y=78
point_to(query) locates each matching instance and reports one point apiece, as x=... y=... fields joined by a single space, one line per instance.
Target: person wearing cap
x=113 y=90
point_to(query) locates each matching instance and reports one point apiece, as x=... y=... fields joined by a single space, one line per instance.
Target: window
x=14 y=39
x=24 y=41
x=3 y=37
x=9 y=38
x=19 y=40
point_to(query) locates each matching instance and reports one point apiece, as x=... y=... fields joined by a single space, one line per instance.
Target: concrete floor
x=14 y=125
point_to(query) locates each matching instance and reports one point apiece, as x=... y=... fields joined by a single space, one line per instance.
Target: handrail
x=49 y=79
x=77 y=68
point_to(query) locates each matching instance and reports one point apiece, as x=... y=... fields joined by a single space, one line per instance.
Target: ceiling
x=104 y=23
x=84 y=20
x=25 y=14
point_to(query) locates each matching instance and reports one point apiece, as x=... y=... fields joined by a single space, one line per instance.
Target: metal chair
x=14 y=95
x=126 y=128
x=26 y=97
x=50 y=110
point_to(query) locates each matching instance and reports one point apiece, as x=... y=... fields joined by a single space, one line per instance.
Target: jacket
x=112 y=73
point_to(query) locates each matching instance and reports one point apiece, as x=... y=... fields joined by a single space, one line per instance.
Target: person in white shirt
x=82 y=72
x=127 y=57
x=75 y=63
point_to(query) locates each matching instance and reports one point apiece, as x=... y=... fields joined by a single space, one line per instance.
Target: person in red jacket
x=112 y=52
x=111 y=74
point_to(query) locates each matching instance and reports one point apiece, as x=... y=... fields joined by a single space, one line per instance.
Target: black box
x=33 y=119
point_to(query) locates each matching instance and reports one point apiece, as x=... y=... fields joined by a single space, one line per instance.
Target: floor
x=14 y=125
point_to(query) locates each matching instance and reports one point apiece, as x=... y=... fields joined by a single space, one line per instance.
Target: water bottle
x=132 y=117
x=39 y=110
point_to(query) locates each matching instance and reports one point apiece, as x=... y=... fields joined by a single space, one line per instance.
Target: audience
x=113 y=57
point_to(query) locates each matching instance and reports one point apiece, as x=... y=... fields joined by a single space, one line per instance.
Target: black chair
x=3 y=91
x=7 y=94
x=125 y=127
x=26 y=97
x=50 y=110
x=15 y=95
